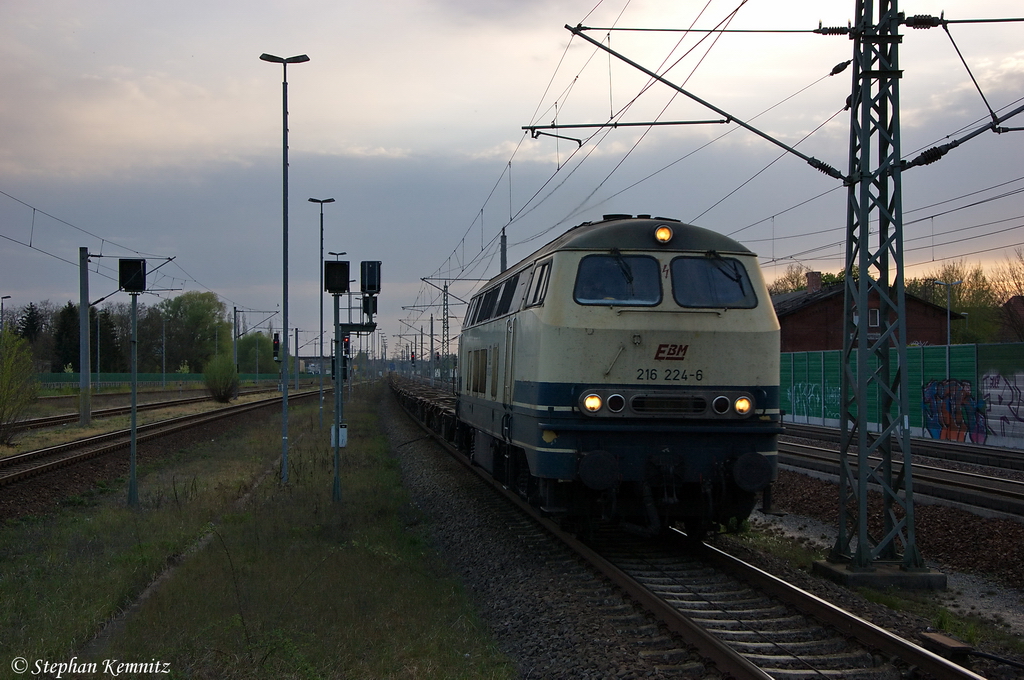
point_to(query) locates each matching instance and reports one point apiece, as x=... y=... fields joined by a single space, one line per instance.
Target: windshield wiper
x=627 y=271
x=735 y=275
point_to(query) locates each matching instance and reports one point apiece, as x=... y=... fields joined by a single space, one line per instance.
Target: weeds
x=292 y=584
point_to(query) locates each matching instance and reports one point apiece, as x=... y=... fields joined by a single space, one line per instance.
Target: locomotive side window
x=507 y=292
x=538 y=285
x=474 y=304
x=618 y=279
x=712 y=281
x=487 y=304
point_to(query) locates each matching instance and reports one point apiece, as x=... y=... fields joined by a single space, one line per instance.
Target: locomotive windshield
x=712 y=281
x=617 y=279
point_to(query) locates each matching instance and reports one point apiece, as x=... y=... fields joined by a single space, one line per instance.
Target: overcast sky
x=153 y=128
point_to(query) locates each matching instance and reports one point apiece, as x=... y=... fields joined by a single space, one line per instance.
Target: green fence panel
x=786 y=382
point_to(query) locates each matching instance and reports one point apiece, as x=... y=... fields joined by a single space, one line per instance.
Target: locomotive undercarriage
x=648 y=507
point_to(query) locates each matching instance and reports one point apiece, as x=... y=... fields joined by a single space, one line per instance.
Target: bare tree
x=1009 y=286
x=794 y=279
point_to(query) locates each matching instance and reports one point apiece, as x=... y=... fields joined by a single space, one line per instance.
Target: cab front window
x=712 y=281
x=617 y=279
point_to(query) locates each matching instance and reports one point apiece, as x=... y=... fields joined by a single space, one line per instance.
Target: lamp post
x=321 y=201
x=949 y=286
x=284 y=61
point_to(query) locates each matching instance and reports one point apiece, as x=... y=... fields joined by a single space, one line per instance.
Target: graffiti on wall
x=951 y=412
x=1005 y=404
x=806 y=399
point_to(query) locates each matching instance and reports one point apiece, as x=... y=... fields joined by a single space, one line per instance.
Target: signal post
x=336 y=283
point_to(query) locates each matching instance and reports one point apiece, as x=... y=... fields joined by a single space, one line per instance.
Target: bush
x=221 y=379
x=17 y=382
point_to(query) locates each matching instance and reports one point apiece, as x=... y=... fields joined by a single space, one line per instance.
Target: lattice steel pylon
x=875 y=365
x=444 y=335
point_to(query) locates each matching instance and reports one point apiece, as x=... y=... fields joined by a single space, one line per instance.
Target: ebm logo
x=671 y=352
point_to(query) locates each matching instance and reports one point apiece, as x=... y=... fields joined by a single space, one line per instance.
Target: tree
x=31 y=323
x=974 y=296
x=794 y=279
x=256 y=354
x=196 y=329
x=1008 y=280
x=17 y=381
x=35 y=324
x=65 y=339
x=110 y=356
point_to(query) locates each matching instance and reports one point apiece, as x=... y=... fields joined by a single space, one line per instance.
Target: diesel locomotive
x=627 y=371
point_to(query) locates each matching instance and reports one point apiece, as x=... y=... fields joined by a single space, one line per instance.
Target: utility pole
x=444 y=333
x=875 y=273
x=84 y=377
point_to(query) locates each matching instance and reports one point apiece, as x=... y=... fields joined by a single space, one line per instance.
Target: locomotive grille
x=669 y=405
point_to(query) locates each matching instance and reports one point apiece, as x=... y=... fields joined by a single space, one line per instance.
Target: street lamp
x=949 y=286
x=284 y=221
x=321 y=201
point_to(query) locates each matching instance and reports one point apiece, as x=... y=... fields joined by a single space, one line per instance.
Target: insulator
x=832 y=30
x=931 y=155
x=825 y=168
x=839 y=68
x=923 y=21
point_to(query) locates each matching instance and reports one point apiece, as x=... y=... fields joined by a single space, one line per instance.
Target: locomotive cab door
x=508 y=378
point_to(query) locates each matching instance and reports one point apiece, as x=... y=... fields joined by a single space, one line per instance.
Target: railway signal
x=131 y=276
x=336 y=282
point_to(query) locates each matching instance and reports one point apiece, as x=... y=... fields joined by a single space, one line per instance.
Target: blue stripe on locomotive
x=539 y=410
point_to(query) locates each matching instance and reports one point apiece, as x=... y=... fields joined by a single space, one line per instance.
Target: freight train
x=627 y=371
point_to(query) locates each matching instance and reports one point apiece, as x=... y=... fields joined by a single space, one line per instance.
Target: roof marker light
x=663 y=233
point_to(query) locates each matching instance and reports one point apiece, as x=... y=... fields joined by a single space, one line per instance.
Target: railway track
x=31 y=463
x=67 y=418
x=971 y=491
x=743 y=621
x=957 y=452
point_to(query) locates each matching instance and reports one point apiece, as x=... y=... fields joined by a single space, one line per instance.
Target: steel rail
x=714 y=650
x=961 y=452
x=725 y=658
x=968 y=488
x=849 y=624
x=60 y=455
x=65 y=418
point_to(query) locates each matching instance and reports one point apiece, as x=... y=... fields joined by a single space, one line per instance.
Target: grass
x=288 y=583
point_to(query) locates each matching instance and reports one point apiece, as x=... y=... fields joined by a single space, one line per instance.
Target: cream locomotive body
x=627 y=370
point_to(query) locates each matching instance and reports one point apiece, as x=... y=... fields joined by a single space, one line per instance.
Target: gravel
x=555 y=620
x=546 y=609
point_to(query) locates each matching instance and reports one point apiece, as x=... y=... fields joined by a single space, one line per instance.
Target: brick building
x=812 y=319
